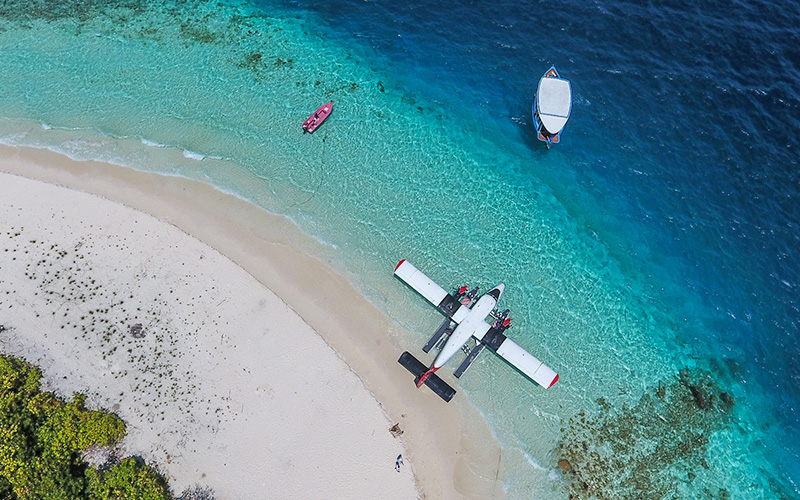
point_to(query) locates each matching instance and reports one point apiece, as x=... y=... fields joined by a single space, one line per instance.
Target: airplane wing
x=435 y=294
x=495 y=339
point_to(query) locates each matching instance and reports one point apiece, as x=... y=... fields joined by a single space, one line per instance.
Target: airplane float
x=466 y=318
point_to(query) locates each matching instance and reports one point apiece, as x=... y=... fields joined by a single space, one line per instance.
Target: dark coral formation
x=254 y=39
x=649 y=450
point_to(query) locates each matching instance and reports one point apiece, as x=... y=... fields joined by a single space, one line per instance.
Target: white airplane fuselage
x=466 y=318
x=473 y=321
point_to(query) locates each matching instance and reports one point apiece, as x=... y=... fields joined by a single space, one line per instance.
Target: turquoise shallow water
x=404 y=169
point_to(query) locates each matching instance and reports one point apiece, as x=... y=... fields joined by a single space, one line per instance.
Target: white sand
x=224 y=385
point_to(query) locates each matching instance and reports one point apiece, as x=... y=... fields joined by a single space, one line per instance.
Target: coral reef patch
x=649 y=450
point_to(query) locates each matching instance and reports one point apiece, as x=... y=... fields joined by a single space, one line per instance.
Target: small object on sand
x=398 y=462
x=395 y=430
x=137 y=331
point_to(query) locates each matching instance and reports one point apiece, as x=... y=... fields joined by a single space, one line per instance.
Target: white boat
x=552 y=106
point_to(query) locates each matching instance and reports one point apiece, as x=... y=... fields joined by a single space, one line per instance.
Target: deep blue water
x=662 y=232
x=681 y=154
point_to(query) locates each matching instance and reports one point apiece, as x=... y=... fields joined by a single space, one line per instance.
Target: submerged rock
x=650 y=449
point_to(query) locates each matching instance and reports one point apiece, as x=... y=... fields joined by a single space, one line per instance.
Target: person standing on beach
x=398 y=462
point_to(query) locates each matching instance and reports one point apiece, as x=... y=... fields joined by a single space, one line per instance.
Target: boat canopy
x=554 y=99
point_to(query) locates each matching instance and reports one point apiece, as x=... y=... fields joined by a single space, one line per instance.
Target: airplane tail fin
x=425 y=376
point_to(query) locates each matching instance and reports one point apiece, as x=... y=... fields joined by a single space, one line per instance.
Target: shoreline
x=449 y=446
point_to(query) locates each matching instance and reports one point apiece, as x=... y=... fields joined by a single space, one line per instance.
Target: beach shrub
x=131 y=479
x=42 y=438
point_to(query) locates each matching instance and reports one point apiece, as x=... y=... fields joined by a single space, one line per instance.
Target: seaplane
x=466 y=314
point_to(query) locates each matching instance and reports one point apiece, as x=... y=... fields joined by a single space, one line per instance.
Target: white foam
x=552 y=474
x=153 y=144
x=193 y=156
x=13 y=139
x=536 y=465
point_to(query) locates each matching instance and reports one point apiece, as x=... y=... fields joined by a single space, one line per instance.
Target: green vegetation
x=42 y=439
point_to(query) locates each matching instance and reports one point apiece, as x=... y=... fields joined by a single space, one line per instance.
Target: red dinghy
x=317 y=117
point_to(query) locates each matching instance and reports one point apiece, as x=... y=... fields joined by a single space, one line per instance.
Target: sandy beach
x=240 y=362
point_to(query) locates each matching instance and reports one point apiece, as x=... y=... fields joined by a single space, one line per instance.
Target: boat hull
x=541 y=133
x=551 y=116
x=317 y=117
